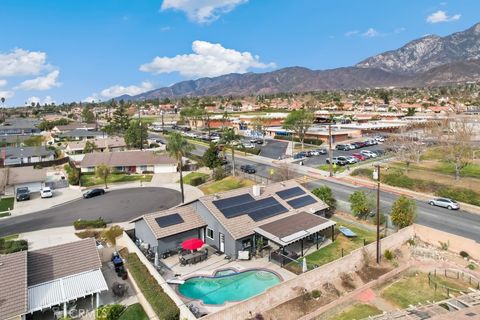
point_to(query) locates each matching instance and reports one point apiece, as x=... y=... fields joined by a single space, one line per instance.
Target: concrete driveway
x=115 y=206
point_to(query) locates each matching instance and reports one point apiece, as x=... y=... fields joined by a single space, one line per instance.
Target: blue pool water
x=228 y=287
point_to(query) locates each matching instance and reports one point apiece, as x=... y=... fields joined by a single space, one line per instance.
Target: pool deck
x=215 y=263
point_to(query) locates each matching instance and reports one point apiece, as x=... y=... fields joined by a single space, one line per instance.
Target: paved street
x=457 y=222
x=115 y=206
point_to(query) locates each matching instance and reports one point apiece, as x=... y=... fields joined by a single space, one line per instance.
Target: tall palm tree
x=178 y=147
x=231 y=139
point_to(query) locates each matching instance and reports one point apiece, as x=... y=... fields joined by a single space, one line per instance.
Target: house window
x=247 y=243
x=210 y=233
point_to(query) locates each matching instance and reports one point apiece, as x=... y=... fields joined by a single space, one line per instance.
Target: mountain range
x=429 y=61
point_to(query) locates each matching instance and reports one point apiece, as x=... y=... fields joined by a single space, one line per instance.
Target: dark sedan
x=93 y=193
x=248 y=169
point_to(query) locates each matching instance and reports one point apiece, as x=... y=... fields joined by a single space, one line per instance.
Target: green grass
x=414 y=289
x=193 y=175
x=333 y=251
x=336 y=169
x=134 y=312
x=89 y=180
x=228 y=183
x=357 y=311
x=5 y=214
x=471 y=170
x=7 y=204
x=10 y=237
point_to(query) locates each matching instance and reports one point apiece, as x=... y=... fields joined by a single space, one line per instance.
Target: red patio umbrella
x=192 y=244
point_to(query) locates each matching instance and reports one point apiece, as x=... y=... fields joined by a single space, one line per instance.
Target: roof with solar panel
x=241 y=210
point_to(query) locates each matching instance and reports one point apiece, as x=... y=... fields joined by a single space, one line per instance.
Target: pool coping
x=212 y=275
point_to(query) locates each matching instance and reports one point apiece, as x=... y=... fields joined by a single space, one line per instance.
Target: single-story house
x=29 y=177
x=25 y=155
x=19 y=126
x=129 y=161
x=281 y=214
x=102 y=145
x=38 y=280
x=80 y=134
x=74 y=126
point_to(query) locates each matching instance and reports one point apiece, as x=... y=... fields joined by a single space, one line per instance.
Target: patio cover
x=48 y=294
x=293 y=228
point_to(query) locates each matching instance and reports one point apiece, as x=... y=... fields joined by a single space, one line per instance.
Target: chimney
x=256 y=190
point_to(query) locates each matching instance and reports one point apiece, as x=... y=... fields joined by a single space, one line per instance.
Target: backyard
x=357 y=311
x=228 y=183
x=90 y=180
x=134 y=312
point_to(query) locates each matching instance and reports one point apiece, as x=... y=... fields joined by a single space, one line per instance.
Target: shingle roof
x=242 y=226
x=63 y=260
x=76 y=125
x=191 y=220
x=26 y=175
x=112 y=142
x=28 y=152
x=13 y=293
x=81 y=133
x=125 y=158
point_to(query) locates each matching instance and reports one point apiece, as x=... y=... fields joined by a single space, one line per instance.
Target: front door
x=222 y=242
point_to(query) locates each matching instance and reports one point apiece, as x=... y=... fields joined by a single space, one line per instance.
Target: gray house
x=232 y=221
x=25 y=155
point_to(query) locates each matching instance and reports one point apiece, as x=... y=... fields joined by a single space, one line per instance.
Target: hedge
x=85 y=224
x=11 y=246
x=316 y=142
x=460 y=194
x=196 y=181
x=161 y=303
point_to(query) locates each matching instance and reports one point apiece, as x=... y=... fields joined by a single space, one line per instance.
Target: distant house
x=80 y=134
x=129 y=161
x=280 y=214
x=19 y=126
x=74 y=126
x=102 y=145
x=37 y=280
x=33 y=179
x=25 y=155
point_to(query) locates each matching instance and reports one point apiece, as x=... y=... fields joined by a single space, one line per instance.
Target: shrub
x=389 y=255
x=88 y=234
x=196 y=181
x=444 y=245
x=161 y=303
x=295 y=139
x=404 y=212
x=464 y=254
x=110 y=235
x=85 y=224
x=316 y=294
x=363 y=172
x=471 y=266
x=398 y=179
x=154 y=145
x=219 y=173
x=411 y=241
x=347 y=281
x=460 y=194
x=11 y=246
x=110 y=312
x=147 y=172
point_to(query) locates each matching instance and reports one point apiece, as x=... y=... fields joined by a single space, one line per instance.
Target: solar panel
x=290 y=193
x=233 y=201
x=268 y=212
x=170 y=220
x=302 y=201
x=238 y=210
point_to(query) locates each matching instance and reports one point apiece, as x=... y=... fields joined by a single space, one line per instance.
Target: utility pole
x=140 y=127
x=377 y=177
x=330 y=167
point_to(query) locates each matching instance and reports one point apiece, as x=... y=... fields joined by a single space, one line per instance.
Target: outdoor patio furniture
x=347 y=232
x=193 y=257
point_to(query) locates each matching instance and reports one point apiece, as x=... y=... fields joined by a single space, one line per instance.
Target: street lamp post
x=330 y=167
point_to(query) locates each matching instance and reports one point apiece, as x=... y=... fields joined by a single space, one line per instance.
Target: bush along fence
x=435 y=283
x=316 y=142
x=161 y=303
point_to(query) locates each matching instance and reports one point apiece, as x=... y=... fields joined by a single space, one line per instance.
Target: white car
x=248 y=145
x=445 y=203
x=351 y=146
x=46 y=192
x=380 y=139
x=368 y=153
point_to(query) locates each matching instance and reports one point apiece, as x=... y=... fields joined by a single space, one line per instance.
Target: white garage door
x=165 y=168
x=32 y=186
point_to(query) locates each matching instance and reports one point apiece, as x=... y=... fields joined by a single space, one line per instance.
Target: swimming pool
x=229 y=286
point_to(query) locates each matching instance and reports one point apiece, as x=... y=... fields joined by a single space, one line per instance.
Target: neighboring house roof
x=114 y=142
x=25 y=152
x=26 y=175
x=125 y=158
x=242 y=225
x=20 y=123
x=191 y=220
x=81 y=133
x=13 y=287
x=62 y=260
x=75 y=126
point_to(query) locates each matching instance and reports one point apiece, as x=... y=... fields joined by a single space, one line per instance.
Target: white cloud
x=442 y=16
x=41 y=83
x=208 y=60
x=370 y=33
x=3 y=83
x=20 y=62
x=35 y=100
x=352 y=33
x=399 y=30
x=202 y=11
x=117 y=90
x=7 y=94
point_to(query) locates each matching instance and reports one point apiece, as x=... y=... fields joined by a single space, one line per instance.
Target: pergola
x=295 y=228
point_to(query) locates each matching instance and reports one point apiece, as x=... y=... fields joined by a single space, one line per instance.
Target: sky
x=84 y=50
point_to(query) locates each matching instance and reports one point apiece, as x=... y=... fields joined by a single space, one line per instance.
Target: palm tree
x=231 y=139
x=178 y=147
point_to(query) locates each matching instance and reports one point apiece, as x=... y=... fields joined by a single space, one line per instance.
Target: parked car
x=445 y=203
x=342 y=147
x=299 y=155
x=23 y=193
x=248 y=145
x=368 y=154
x=359 y=156
x=379 y=139
x=93 y=193
x=370 y=142
x=46 y=192
x=359 y=144
x=248 y=169
x=351 y=159
x=322 y=151
x=256 y=140
x=351 y=146
x=337 y=161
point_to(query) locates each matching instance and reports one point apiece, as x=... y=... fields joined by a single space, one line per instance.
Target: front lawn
x=89 y=180
x=228 y=183
x=357 y=311
x=134 y=312
x=192 y=177
x=6 y=204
